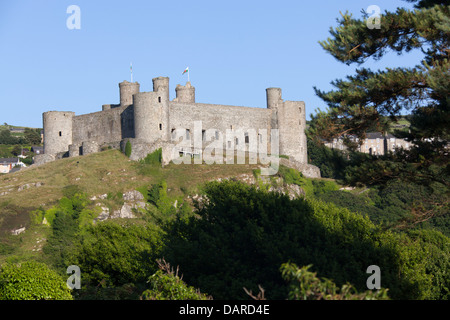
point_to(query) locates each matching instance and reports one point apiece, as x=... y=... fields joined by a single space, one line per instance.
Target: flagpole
x=188 y=74
x=131 y=70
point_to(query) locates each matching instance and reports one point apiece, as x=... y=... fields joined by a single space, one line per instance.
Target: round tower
x=127 y=89
x=161 y=88
x=57 y=131
x=161 y=85
x=185 y=93
x=273 y=97
x=146 y=116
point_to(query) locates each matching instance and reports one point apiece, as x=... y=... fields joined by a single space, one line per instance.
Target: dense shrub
x=113 y=254
x=153 y=158
x=128 y=148
x=392 y=205
x=243 y=235
x=166 y=284
x=331 y=162
x=291 y=176
x=32 y=281
x=305 y=285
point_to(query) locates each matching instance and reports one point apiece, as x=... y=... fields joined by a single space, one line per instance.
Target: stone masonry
x=149 y=120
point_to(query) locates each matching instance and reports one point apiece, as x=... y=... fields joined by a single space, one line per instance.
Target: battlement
x=127 y=90
x=150 y=118
x=185 y=93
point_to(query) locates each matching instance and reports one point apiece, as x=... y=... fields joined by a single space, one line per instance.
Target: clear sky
x=234 y=49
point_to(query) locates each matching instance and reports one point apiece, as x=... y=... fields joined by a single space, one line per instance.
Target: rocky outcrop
x=18 y=231
x=133 y=201
x=308 y=170
x=133 y=195
x=29 y=185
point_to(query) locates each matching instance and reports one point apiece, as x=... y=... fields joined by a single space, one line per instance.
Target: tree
x=7 y=138
x=166 y=284
x=114 y=254
x=16 y=150
x=305 y=285
x=240 y=236
x=32 y=281
x=33 y=136
x=374 y=99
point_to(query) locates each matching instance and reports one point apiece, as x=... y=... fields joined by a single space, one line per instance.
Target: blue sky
x=234 y=49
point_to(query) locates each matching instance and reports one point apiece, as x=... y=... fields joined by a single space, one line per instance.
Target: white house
x=6 y=164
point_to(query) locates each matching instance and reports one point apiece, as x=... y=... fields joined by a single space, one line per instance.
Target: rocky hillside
x=116 y=186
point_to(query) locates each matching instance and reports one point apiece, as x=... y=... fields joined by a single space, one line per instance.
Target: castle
x=149 y=120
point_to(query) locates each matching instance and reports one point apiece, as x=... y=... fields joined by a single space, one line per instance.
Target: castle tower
x=127 y=89
x=290 y=119
x=161 y=87
x=146 y=116
x=185 y=94
x=151 y=112
x=57 y=131
x=273 y=98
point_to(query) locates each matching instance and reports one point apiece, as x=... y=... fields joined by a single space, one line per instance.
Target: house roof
x=369 y=135
x=9 y=160
x=374 y=135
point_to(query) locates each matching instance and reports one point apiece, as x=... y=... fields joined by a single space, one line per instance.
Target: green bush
x=241 y=235
x=359 y=204
x=165 y=205
x=437 y=262
x=112 y=254
x=156 y=192
x=71 y=190
x=153 y=158
x=331 y=162
x=324 y=186
x=305 y=285
x=63 y=237
x=37 y=216
x=128 y=148
x=32 y=281
x=165 y=284
x=68 y=220
x=292 y=176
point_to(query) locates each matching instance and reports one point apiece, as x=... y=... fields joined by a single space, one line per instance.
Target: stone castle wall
x=149 y=120
x=219 y=117
x=104 y=127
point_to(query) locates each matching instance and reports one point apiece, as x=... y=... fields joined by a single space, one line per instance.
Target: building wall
x=126 y=91
x=185 y=94
x=373 y=146
x=393 y=143
x=148 y=117
x=4 y=168
x=219 y=117
x=292 y=123
x=104 y=127
x=57 y=131
x=376 y=146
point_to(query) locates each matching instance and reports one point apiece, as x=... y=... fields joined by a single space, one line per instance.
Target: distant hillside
x=15 y=130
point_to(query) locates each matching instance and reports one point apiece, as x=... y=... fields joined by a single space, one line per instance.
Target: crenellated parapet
x=151 y=119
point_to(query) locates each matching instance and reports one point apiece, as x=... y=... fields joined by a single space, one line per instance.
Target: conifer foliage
x=374 y=99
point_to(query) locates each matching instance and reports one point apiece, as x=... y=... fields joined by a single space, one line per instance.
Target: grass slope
x=100 y=173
